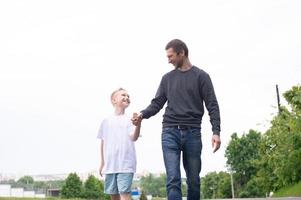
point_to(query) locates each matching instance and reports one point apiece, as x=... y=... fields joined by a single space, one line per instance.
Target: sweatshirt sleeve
x=157 y=103
x=211 y=103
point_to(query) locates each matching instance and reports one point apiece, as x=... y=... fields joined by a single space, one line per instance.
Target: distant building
x=16 y=192
x=49 y=177
x=53 y=192
x=5 y=190
x=29 y=194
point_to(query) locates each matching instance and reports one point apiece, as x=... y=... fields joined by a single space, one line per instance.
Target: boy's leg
x=124 y=183
x=125 y=196
x=110 y=186
x=115 y=197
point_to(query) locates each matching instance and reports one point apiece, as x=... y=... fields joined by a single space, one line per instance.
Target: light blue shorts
x=118 y=183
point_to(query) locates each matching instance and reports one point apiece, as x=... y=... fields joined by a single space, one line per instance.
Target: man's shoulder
x=169 y=73
x=202 y=74
x=194 y=68
x=198 y=70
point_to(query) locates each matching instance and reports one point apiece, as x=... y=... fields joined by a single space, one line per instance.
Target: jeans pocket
x=166 y=130
x=196 y=132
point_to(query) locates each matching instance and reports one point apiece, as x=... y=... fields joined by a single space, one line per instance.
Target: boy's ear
x=113 y=101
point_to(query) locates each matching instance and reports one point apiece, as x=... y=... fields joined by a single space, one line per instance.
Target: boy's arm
x=136 y=133
x=102 y=162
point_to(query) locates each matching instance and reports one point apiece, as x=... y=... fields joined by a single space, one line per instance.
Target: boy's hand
x=100 y=169
x=136 y=119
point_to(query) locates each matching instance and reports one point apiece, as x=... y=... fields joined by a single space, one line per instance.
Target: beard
x=178 y=64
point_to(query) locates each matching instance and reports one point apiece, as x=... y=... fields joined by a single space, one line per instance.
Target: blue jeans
x=188 y=141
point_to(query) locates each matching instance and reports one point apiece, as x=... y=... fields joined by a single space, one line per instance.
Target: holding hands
x=136 y=119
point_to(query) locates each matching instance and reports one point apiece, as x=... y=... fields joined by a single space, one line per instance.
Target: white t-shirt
x=119 y=150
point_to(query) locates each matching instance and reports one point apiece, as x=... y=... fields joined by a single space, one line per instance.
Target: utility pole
x=278 y=99
x=232 y=186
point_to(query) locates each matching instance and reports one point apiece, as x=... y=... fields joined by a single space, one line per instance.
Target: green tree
x=293 y=97
x=280 y=150
x=242 y=157
x=93 y=188
x=209 y=185
x=216 y=185
x=26 y=180
x=241 y=154
x=143 y=196
x=72 y=187
x=224 y=185
x=154 y=185
x=40 y=186
x=253 y=188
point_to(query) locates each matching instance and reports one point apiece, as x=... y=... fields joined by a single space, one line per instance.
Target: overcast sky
x=61 y=59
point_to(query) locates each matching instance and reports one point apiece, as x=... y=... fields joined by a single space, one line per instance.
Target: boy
x=117 y=149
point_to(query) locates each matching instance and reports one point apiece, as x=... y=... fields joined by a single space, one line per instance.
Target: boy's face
x=121 y=99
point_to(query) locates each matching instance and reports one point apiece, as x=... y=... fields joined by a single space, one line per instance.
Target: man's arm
x=157 y=103
x=213 y=110
x=211 y=104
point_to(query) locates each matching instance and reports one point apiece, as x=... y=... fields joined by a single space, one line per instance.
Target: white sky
x=60 y=60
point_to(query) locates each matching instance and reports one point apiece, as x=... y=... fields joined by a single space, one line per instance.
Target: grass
x=291 y=191
x=25 y=198
x=51 y=198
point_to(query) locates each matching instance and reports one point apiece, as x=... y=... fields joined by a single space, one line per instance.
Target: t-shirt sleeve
x=100 y=134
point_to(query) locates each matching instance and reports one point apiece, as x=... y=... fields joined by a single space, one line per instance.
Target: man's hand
x=216 y=142
x=137 y=118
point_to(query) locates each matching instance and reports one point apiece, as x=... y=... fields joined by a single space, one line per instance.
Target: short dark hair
x=178 y=46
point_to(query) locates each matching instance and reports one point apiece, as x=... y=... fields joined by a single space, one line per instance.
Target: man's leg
x=171 y=147
x=192 y=162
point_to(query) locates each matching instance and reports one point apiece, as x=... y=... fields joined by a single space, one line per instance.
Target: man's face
x=174 y=58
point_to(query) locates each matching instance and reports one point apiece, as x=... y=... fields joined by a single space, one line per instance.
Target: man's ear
x=182 y=53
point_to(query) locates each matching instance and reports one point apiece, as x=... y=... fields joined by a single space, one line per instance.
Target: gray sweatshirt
x=185 y=93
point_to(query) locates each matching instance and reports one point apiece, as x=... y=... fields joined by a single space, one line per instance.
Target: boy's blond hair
x=115 y=91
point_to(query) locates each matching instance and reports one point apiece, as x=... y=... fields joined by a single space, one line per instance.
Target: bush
x=72 y=187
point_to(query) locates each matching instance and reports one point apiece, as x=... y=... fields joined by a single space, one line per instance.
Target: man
x=186 y=88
